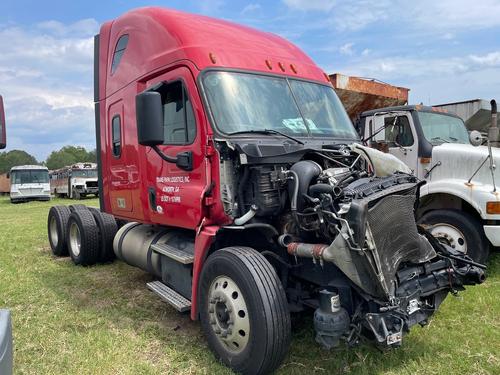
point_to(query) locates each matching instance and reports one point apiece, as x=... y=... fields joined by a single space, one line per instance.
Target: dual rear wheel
x=85 y=233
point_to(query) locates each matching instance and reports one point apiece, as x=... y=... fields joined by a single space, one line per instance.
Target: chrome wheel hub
x=228 y=314
x=74 y=239
x=451 y=236
x=54 y=237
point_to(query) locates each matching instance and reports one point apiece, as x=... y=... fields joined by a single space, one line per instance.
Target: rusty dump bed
x=360 y=94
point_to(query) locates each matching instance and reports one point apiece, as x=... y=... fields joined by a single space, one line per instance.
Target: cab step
x=170 y=296
x=174 y=253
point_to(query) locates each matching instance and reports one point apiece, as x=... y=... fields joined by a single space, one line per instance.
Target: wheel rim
x=74 y=239
x=451 y=236
x=228 y=314
x=54 y=236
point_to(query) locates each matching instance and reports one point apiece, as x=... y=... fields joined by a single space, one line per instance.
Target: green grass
x=102 y=320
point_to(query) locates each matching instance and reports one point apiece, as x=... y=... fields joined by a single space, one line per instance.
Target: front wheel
x=76 y=195
x=243 y=311
x=460 y=230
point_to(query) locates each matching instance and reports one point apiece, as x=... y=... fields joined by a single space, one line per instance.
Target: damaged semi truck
x=237 y=180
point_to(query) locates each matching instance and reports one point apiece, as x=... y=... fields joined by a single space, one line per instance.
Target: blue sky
x=444 y=51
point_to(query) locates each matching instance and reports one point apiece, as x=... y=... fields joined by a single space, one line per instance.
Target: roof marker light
x=282 y=67
x=269 y=65
x=294 y=69
x=213 y=59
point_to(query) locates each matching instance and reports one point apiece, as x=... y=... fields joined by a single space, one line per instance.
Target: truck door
x=175 y=195
x=398 y=135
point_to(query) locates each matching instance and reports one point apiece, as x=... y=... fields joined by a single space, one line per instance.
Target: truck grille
x=91 y=184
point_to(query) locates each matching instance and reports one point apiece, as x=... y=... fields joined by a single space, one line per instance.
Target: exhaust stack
x=493 y=130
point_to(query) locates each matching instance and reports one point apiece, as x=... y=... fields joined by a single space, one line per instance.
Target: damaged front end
x=341 y=222
x=399 y=273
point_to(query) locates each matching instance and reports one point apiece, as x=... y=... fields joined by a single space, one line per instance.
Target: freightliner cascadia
x=238 y=182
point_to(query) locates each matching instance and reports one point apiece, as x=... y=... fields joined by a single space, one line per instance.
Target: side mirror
x=149 y=116
x=3 y=135
x=475 y=138
x=8 y=175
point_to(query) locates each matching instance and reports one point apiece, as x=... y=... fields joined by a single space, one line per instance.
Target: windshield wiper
x=267 y=131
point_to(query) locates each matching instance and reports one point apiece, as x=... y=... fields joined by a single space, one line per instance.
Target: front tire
x=243 y=311
x=460 y=230
x=75 y=195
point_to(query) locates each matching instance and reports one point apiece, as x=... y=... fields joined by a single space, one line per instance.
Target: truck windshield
x=439 y=128
x=243 y=102
x=86 y=173
x=30 y=177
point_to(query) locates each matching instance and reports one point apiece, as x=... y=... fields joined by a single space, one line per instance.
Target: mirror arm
x=167 y=158
x=183 y=160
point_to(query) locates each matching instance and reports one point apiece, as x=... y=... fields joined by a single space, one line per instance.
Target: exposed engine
x=350 y=210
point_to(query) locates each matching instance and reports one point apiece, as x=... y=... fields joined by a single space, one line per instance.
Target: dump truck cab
x=436 y=146
x=239 y=183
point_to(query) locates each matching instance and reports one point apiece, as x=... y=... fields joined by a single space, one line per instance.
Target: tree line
x=57 y=159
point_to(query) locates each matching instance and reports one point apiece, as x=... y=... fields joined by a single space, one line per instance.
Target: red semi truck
x=237 y=180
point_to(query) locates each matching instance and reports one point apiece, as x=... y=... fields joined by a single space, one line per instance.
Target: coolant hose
x=295 y=191
x=304 y=171
x=247 y=217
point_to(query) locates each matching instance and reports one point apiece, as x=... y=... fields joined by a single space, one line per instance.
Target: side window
x=400 y=133
x=116 y=132
x=178 y=117
x=121 y=45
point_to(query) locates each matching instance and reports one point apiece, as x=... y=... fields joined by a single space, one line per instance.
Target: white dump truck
x=461 y=196
x=460 y=199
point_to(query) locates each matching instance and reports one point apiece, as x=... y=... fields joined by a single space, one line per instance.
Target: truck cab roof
x=28 y=167
x=155 y=38
x=408 y=108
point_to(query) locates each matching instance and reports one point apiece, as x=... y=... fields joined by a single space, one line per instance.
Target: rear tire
x=75 y=207
x=83 y=238
x=460 y=230
x=254 y=341
x=56 y=223
x=107 y=230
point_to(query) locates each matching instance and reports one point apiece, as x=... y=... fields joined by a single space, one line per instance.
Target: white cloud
x=86 y=27
x=444 y=18
x=347 y=49
x=366 y=52
x=311 y=5
x=46 y=81
x=458 y=15
x=490 y=59
x=250 y=8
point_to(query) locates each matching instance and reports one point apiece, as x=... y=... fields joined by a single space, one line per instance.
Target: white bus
x=75 y=181
x=29 y=182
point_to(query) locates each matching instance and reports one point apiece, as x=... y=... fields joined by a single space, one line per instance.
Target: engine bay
x=345 y=236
